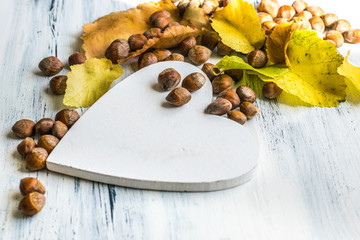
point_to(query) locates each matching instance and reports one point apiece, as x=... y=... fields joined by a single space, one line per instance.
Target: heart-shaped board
x=132 y=137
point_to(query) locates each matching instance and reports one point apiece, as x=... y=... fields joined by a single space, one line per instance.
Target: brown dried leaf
x=196 y=17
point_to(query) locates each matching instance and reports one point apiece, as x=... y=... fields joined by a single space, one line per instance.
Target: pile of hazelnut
x=311 y=17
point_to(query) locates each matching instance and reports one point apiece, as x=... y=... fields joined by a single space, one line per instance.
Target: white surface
x=306 y=185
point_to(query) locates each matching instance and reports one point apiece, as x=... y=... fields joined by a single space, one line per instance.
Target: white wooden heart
x=131 y=137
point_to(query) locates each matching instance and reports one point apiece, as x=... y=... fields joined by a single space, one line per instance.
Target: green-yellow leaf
x=350 y=72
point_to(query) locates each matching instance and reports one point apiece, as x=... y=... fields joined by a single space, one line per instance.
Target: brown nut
x=236 y=74
x=59 y=129
x=336 y=37
x=316 y=11
x=210 y=40
x=51 y=66
x=224 y=3
x=246 y=94
x=195 y=3
x=210 y=6
x=32 y=203
x=76 y=58
x=175 y=57
x=306 y=15
x=317 y=24
x=29 y=185
x=152 y=33
x=178 y=96
x=352 y=36
x=264 y=17
x=221 y=83
x=118 y=49
x=269 y=25
x=271 y=90
x=187 y=44
x=25 y=146
x=222 y=49
x=341 y=25
x=136 y=41
x=169 y=79
x=161 y=54
x=44 y=126
x=58 y=84
x=193 y=81
x=231 y=96
x=36 y=159
x=280 y=20
x=303 y=24
x=23 y=128
x=68 y=116
x=249 y=109
x=329 y=19
x=161 y=23
x=269 y=6
x=209 y=70
x=237 y=116
x=159 y=14
x=257 y=58
x=147 y=59
x=48 y=142
x=219 y=106
x=299 y=5
x=286 y=11
x=199 y=54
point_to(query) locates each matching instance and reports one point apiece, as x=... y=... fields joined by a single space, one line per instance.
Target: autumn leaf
x=89 y=81
x=351 y=72
x=275 y=44
x=196 y=17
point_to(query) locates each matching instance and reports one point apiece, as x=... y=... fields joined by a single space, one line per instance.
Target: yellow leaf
x=350 y=72
x=87 y=82
x=275 y=44
x=196 y=17
x=239 y=27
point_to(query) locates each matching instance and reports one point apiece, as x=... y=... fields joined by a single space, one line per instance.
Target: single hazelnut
x=237 y=116
x=58 y=84
x=352 y=36
x=269 y=6
x=280 y=21
x=269 y=25
x=118 y=49
x=68 y=116
x=249 y=109
x=246 y=94
x=224 y=3
x=317 y=24
x=59 y=129
x=219 y=107
x=210 y=6
x=335 y=36
x=299 y=5
x=76 y=58
x=286 y=11
x=51 y=66
x=195 y=3
x=161 y=23
x=159 y=14
x=182 y=6
x=48 y=142
x=137 y=41
x=341 y=25
x=329 y=19
x=172 y=24
x=187 y=44
x=222 y=49
x=161 y=54
x=29 y=185
x=25 y=146
x=152 y=33
x=231 y=96
x=147 y=59
x=306 y=15
x=169 y=79
x=199 y=54
x=303 y=24
x=210 y=40
x=257 y=58
x=32 y=203
x=36 y=159
x=222 y=82
x=178 y=96
x=264 y=17
x=316 y=11
x=193 y=81
x=23 y=128
x=175 y=57
x=209 y=70
x=44 y=126
x=271 y=90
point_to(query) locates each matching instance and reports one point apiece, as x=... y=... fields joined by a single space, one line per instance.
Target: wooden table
x=307 y=180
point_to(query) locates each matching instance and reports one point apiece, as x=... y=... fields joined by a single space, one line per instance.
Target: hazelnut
x=231 y=96
x=161 y=23
x=161 y=54
x=169 y=79
x=224 y=3
x=303 y=24
x=257 y=58
x=147 y=59
x=59 y=129
x=32 y=203
x=280 y=20
x=237 y=116
x=76 y=58
x=44 y=126
x=222 y=82
x=264 y=17
x=193 y=82
x=329 y=19
x=25 y=146
x=341 y=25
x=306 y=15
x=29 y=185
x=58 y=84
x=246 y=94
x=219 y=106
x=269 y=6
x=210 y=40
x=182 y=6
x=317 y=24
x=68 y=116
x=249 y=109
x=48 y=142
x=210 y=6
x=172 y=24
x=36 y=159
x=137 y=41
x=271 y=90
x=195 y=3
x=286 y=11
x=175 y=57
x=236 y=74
x=187 y=44
x=178 y=97
x=299 y=5
x=51 y=66
x=208 y=69
x=23 y=128
x=222 y=49
x=199 y=54
x=152 y=33
x=269 y=25
x=335 y=36
x=316 y=11
x=159 y=14
x=118 y=49
x=352 y=36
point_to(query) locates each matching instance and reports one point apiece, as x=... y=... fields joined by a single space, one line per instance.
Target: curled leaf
x=196 y=17
x=351 y=72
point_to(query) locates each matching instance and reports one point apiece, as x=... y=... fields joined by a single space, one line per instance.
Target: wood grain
x=306 y=185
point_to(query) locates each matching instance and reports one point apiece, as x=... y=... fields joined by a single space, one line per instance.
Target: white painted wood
x=306 y=185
